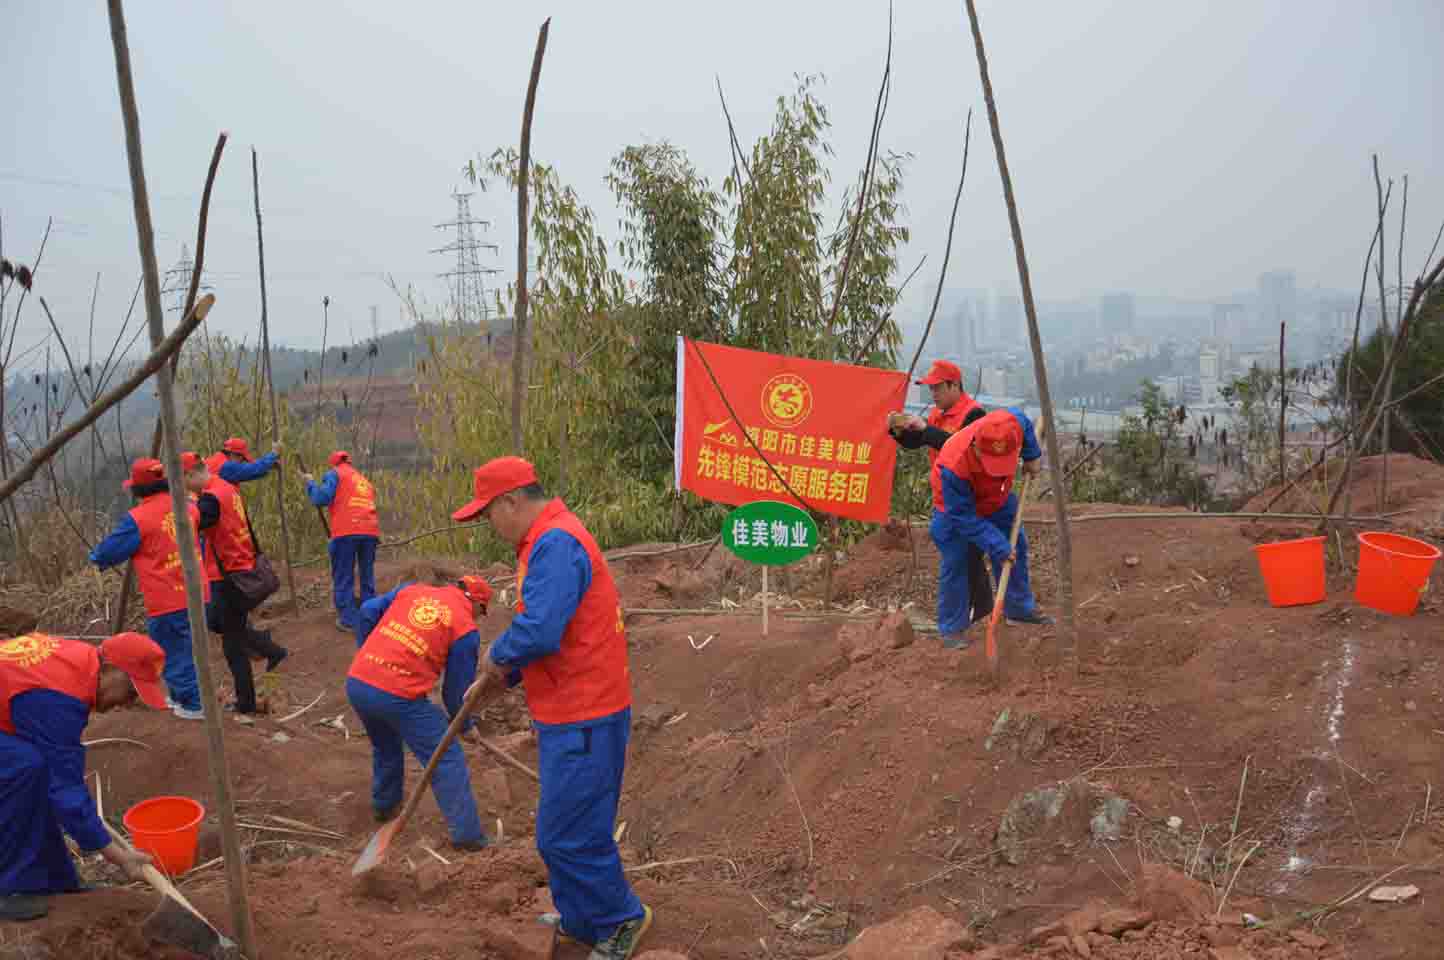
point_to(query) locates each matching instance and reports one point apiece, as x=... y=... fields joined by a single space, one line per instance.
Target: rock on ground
x=919 y=934
x=1170 y=895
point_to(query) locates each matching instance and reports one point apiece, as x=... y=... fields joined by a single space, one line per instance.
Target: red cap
x=214 y=463
x=998 y=441
x=338 y=457
x=942 y=372
x=142 y=659
x=238 y=446
x=144 y=472
x=190 y=460
x=476 y=589
x=492 y=479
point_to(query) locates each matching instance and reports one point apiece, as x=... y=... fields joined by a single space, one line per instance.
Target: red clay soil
x=799 y=787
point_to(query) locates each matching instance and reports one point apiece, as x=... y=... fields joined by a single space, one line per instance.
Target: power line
x=466 y=279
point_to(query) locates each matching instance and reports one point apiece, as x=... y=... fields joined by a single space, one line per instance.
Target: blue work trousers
x=392 y=722
x=581 y=783
x=347 y=555
x=173 y=632
x=33 y=855
x=954 y=587
x=965 y=594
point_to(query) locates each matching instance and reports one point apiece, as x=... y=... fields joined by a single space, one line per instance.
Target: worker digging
x=48 y=689
x=147 y=535
x=965 y=594
x=973 y=503
x=567 y=647
x=355 y=532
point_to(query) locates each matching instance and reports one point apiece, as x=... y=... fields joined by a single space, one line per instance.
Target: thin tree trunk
x=1283 y=406
x=270 y=385
x=523 y=174
x=1353 y=406
x=185 y=534
x=1382 y=495
x=1067 y=626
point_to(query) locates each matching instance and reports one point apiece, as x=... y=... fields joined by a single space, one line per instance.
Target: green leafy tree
x=1420 y=362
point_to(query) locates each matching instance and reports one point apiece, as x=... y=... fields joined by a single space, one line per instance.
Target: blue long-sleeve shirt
x=321 y=494
x=460 y=659
x=53 y=722
x=119 y=545
x=961 y=506
x=558 y=573
x=238 y=471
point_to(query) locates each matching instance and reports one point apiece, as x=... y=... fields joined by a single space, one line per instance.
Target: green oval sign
x=769 y=532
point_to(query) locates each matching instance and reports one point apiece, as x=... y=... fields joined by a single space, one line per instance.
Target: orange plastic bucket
x=167 y=828
x=1393 y=572
x=1293 y=570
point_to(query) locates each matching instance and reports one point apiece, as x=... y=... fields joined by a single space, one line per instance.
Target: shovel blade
x=375 y=850
x=174 y=925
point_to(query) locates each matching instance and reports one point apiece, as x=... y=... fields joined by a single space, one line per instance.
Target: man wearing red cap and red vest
x=411 y=635
x=354 y=533
x=973 y=501
x=229 y=549
x=48 y=689
x=238 y=467
x=568 y=647
x=965 y=595
x=147 y=535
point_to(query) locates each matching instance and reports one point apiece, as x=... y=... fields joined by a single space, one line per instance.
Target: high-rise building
x=1278 y=301
x=1009 y=326
x=1116 y=314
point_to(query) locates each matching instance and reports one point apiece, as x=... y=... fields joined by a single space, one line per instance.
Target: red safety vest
x=957 y=455
x=230 y=538
x=950 y=420
x=353 y=511
x=37 y=662
x=157 y=562
x=407 y=651
x=588 y=678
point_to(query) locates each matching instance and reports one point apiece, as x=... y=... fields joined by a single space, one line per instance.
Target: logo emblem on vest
x=167 y=524
x=427 y=612
x=1000 y=446
x=28 y=650
x=786 y=400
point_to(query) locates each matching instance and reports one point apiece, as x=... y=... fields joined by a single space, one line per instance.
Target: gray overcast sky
x=1168 y=148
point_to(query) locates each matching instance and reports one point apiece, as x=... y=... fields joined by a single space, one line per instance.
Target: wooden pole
x=764 y=599
x=1283 y=405
x=518 y=358
x=270 y=384
x=1067 y=626
x=185 y=534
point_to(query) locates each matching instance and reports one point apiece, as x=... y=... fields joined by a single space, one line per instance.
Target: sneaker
x=184 y=713
x=623 y=942
x=170 y=703
x=1034 y=617
x=18 y=907
x=563 y=939
x=273 y=662
x=957 y=641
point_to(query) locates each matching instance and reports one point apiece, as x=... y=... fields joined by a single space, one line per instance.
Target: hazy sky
x=1167 y=148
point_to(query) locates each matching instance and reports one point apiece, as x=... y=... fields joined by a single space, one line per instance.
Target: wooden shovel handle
x=157 y=879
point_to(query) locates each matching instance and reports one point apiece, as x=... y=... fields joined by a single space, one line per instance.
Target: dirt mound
x=1416 y=487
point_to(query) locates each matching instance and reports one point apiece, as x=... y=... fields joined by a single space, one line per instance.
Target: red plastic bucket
x=1393 y=572
x=1293 y=570
x=167 y=828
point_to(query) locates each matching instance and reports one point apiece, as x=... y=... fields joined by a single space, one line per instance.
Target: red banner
x=822 y=425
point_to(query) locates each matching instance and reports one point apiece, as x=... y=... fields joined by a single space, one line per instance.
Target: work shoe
x=554 y=920
x=185 y=713
x=623 y=943
x=1035 y=617
x=274 y=661
x=957 y=641
x=18 y=907
x=389 y=813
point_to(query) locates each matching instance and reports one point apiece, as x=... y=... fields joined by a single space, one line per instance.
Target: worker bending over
x=411 y=636
x=567 y=646
x=48 y=689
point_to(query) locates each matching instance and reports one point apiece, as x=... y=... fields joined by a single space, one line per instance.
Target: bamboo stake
x=523 y=173
x=270 y=384
x=185 y=534
x=1067 y=629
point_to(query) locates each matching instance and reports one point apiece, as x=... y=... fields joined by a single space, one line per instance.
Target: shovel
x=380 y=841
x=176 y=922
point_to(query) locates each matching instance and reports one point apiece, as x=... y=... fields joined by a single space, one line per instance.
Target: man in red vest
x=973 y=500
x=354 y=533
x=965 y=595
x=48 y=689
x=568 y=647
x=147 y=536
x=411 y=636
x=238 y=467
x=229 y=549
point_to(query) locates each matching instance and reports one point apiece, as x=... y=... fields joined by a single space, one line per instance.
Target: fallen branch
x=659 y=864
x=293 y=715
x=96 y=743
x=508 y=759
